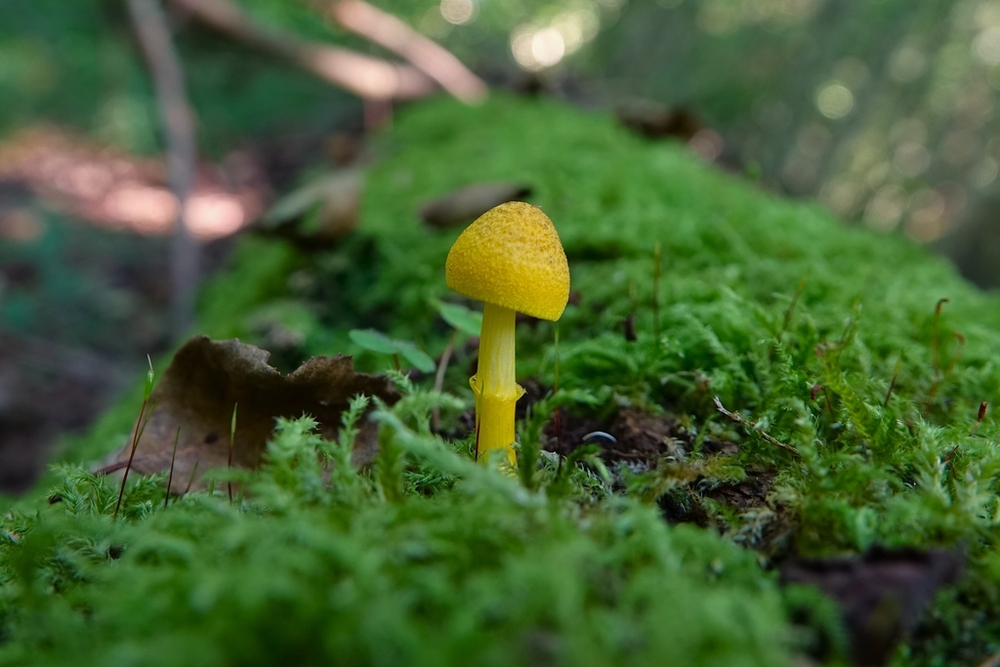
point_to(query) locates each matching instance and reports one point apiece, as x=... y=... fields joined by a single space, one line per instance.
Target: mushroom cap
x=511 y=256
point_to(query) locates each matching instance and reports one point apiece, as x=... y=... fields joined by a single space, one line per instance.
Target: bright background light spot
x=987 y=46
x=911 y=159
x=834 y=100
x=707 y=144
x=458 y=12
x=886 y=208
x=548 y=47
x=907 y=64
x=535 y=50
x=520 y=46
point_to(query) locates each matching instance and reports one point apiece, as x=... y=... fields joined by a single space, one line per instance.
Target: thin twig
x=140 y=426
x=791 y=306
x=656 y=292
x=979 y=418
x=439 y=379
x=362 y=75
x=194 y=471
x=170 y=475
x=934 y=335
x=232 y=446
x=177 y=120
x=751 y=427
x=892 y=385
x=426 y=55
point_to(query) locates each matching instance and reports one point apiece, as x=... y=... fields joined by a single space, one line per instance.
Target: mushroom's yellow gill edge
x=511 y=259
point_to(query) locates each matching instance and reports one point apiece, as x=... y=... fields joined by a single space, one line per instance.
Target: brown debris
x=334 y=199
x=881 y=594
x=465 y=204
x=637 y=436
x=657 y=121
x=207 y=379
x=751 y=492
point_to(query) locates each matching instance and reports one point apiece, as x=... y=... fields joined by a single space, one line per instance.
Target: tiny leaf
x=417 y=357
x=467 y=321
x=374 y=341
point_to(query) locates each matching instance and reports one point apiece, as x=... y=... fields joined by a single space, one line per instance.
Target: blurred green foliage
x=77 y=64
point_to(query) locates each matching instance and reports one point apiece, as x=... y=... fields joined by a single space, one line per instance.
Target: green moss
x=772 y=306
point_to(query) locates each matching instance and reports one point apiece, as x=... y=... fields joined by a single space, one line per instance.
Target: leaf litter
x=209 y=384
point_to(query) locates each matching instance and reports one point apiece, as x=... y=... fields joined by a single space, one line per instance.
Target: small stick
x=941 y=377
x=629 y=320
x=140 y=426
x=752 y=427
x=232 y=441
x=629 y=326
x=826 y=395
x=557 y=417
x=194 y=471
x=979 y=419
x=656 y=291
x=170 y=475
x=934 y=334
x=791 y=306
x=892 y=385
x=136 y=434
x=439 y=379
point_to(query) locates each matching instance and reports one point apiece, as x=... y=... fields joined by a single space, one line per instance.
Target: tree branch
x=360 y=74
x=426 y=55
x=178 y=123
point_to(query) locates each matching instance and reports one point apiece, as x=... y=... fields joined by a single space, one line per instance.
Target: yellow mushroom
x=511 y=259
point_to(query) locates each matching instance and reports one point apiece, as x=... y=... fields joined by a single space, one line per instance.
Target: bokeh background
x=883 y=111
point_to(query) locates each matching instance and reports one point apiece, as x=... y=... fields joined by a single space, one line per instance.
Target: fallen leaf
x=325 y=209
x=466 y=204
x=881 y=594
x=657 y=121
x=205 y=381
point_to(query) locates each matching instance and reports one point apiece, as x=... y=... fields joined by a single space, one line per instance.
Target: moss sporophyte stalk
x=511 y=259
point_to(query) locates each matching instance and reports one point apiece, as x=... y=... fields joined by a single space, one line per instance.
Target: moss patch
x=796 y=324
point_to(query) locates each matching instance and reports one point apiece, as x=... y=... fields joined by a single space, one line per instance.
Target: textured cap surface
x=511 y=256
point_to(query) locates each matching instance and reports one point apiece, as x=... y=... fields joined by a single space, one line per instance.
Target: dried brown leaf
x=207 y=378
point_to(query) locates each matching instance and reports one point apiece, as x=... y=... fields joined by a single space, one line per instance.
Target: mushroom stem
x=494 y=384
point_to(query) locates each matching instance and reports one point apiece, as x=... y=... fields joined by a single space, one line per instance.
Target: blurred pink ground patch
x=115 y=190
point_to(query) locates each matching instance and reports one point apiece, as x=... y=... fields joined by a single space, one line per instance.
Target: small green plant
x=376 y=341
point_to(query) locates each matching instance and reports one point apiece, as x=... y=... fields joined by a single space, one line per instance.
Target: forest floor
x=746 y=402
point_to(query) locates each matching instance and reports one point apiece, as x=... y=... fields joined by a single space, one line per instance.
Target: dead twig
x=979 y=417
x=177 y=119
x=426 y=55
x=363 y=75
x=439 y=380
x=752 y=427
x=892 y=385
